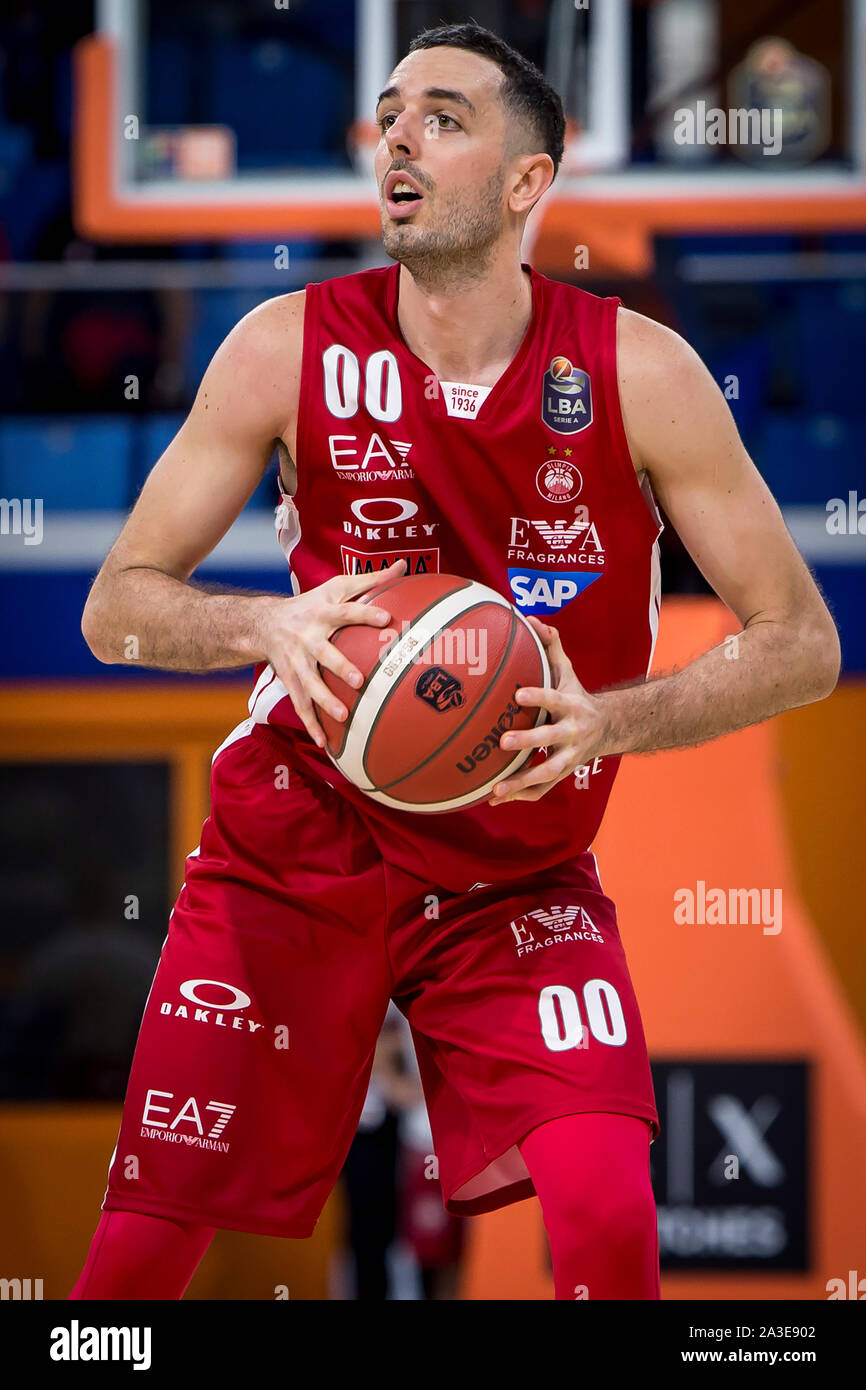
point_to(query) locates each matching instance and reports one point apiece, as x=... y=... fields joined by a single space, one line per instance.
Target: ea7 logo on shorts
x=546 y=591
x=185 y=1125
x=553 y=925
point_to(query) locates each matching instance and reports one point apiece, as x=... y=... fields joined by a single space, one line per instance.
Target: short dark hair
x=526 y=93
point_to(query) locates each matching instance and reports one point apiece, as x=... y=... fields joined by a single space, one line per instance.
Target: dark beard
x=458 y=252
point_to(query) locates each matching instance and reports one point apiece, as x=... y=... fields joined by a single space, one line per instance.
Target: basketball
x=439 y=691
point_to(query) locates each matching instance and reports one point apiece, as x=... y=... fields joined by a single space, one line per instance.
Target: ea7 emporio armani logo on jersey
x=378 y=460
x=551 y=926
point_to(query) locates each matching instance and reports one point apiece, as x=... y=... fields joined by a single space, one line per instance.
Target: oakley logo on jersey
x=546 y=591
x=566 y=397
x=440 y=689
x=387 y=518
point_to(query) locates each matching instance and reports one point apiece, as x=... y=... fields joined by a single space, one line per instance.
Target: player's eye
x=384 y=124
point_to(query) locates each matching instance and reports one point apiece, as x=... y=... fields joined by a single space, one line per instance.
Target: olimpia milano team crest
x=566 y=397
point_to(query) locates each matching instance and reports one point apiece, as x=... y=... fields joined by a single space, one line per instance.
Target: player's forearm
x=760 y=672
x=144 y=616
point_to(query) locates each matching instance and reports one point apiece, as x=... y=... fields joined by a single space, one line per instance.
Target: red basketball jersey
x=526 y=486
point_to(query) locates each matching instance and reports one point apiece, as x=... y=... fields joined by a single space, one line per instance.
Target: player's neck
x=470 y=334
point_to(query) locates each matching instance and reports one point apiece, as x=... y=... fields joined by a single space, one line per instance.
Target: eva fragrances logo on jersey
x=550 y=562
x=566 y=397
x=551 y=926
x=174 y=1119
x=206 y=1002
x=377 y=461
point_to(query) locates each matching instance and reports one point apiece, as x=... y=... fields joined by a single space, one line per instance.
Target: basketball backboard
x=683 y=115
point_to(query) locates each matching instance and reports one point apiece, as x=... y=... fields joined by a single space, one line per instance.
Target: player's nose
x=403 y=136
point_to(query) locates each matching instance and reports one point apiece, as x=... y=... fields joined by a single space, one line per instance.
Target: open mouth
x=402 y=198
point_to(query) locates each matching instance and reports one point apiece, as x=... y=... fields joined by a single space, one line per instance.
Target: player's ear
x=533 y=175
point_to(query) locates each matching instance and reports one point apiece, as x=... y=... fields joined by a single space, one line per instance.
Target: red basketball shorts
x=288 y=938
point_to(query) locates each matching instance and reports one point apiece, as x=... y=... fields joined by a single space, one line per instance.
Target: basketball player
x=454 y=410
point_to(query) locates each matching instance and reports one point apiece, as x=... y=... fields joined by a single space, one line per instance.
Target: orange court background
x=725 y=992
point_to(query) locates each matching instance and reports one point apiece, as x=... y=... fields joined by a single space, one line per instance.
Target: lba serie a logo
x=566 y=397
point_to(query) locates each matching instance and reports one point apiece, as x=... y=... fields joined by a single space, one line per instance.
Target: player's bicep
x=733 y=529
x=216 y=460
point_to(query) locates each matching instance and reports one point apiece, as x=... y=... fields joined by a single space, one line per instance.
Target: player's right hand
x=297 y=635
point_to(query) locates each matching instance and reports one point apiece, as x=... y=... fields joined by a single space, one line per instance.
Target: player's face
x=443 y=127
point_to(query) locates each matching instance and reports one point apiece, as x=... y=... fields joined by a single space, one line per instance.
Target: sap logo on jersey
x=566 y=397
x=206 y=1009
x=387 y=519
x=547 y=591
x=185 y=1125
x=374 y=464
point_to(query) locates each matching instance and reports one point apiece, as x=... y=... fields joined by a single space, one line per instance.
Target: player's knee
x=622 y=1218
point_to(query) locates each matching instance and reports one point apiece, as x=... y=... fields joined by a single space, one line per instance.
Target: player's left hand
x=572 y=737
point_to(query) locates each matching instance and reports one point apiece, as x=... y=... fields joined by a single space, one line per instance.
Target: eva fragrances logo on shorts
x=217 y=1012
x=184 y=1124
x=553 y=925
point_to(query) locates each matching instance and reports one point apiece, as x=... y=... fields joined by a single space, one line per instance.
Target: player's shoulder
x=650 y=352
x=281 y=315
x=270 y=336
